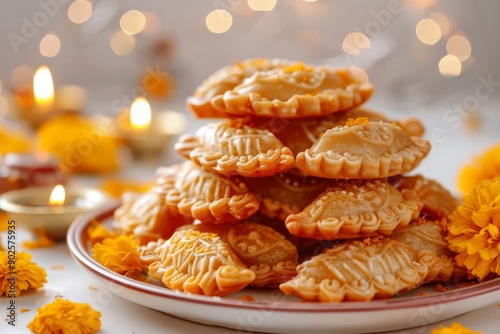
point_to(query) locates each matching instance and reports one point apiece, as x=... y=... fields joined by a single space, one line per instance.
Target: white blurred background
x=426 y=58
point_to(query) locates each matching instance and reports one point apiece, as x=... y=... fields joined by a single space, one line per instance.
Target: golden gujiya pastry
x=354 y=209
x=363 y=150
x=427 y=238
x=224 y=80
x=147 y=216
x=293 y=90
x=300 y=134
x=230 y=148
x=206 y=196
x=284 y=194
x=359 y=271
x=200 y=263
x=265 y=251
x=147 y=251
x=438 y=201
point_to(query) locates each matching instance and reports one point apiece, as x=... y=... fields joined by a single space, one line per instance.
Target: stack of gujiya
x=293 y=158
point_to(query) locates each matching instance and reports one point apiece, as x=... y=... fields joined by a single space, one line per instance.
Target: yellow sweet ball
x=80 y=146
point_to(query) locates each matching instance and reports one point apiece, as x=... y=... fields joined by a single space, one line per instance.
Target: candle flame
x=43 y=86
x=140 y=114
x=57 y=196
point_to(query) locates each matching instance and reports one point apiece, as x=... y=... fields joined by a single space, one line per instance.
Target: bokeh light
x=132 y=22
x=50 y=45
x=459 y=46
x=80 y=11
x=4 y=106
x=122 y=44
x=450 y=66
x=359 y=73
x=428 y=31
x=219 y=21
x=262 y=5
x=443 y=22
x=355 y=43
x=420 y=4
x=22 y=76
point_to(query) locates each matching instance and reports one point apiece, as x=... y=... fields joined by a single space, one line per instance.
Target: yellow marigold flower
x=118 y=187
x=25 y=274
x=97 y=233
x=455 y=328
x=42 y=240
x=482 y=168
x=473 y=230
x=119 y=254
x=64 y=316
x=80 y=145
x=14 y=141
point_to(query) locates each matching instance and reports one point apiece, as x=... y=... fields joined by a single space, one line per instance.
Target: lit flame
x=140 y=114
x=43 y=86
x=57 y=196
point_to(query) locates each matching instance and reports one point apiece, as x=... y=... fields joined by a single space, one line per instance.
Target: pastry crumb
x=57 y=267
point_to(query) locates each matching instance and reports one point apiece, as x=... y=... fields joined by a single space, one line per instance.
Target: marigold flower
x=119 y=254
x=473 y=230
x=482 y=168
x=98 y=233
x=64 y=316
x=455 y=328
x=14 y=141
x=80 y=145
x=25 y=274
x=118 y=187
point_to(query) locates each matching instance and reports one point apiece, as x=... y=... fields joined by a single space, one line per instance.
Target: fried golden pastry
x=225 y=80
x=265 y=251
x=200 y=263
x=358 y=271
x=147 y=252
x=147 y=217
x=284 y=194
x=205 y=195
x=427 y=238
x=438 y=202
x=300 y=134
x=230 y=148
x=354 y=209
x=293 y=90
x=363 y=150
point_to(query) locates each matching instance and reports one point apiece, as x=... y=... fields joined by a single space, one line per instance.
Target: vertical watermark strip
x=11 y=274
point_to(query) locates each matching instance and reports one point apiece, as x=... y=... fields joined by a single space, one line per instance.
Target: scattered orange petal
x=57 y=267
x=42 y=240
x=247 y=298
x=24 y=310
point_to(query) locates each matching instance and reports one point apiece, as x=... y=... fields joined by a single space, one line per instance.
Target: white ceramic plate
x=276 y=313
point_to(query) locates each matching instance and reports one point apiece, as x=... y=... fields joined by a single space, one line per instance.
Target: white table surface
x=122 y=316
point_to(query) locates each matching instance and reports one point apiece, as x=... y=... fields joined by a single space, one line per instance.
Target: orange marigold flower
x=455 y=328
x=118 y=187
x=26 y=274
x=64 y=316
x=473 y=230
x=98 y=233
x=14 y=141
x=482 y=168
x=119 y=254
